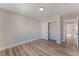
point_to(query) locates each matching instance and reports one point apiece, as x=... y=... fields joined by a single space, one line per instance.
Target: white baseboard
x=13 y=45
x=63 y=41
x=58 y=42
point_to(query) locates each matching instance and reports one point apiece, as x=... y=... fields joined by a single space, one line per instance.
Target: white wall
x=16 y=28
x=44 y=30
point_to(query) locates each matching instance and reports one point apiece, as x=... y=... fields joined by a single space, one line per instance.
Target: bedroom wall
x=15 y=28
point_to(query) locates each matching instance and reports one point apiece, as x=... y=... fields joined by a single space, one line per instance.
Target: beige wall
x=15 y=28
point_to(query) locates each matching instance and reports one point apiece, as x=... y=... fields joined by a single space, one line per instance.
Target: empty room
x=39 y=29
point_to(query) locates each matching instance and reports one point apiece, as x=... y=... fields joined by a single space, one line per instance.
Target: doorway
x=71 y=34
x=54 y=31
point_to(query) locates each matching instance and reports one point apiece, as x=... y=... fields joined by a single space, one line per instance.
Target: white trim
x=13 y=45
x=58 y=42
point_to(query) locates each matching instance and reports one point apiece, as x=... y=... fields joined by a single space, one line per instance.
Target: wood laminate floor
x=41 y=48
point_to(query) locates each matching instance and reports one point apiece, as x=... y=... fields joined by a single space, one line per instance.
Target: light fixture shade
x=41 y=9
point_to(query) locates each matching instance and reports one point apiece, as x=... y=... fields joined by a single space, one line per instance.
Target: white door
x=44 y=30
x=77 y=33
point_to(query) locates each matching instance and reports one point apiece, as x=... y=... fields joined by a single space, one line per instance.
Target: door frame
x=65 y=33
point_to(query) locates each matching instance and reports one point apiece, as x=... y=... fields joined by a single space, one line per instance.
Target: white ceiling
x=51 y=9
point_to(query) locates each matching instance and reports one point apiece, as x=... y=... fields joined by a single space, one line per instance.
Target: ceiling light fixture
x=41 y=9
